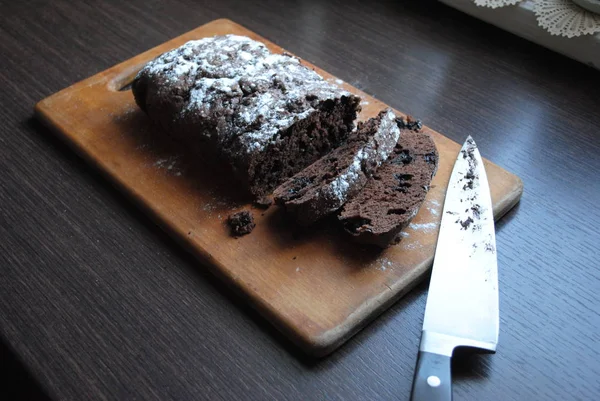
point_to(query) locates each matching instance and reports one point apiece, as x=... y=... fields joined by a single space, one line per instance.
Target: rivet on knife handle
x=432 y=381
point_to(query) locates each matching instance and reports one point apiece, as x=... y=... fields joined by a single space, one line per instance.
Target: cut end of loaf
x=323 y=187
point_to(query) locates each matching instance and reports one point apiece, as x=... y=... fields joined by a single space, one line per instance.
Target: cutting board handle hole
x=126 y=87
x=122 y=82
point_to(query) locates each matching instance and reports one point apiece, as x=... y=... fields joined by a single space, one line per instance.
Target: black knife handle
x=432 y=380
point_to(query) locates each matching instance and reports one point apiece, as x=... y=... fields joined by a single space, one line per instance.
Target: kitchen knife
x=462 y=304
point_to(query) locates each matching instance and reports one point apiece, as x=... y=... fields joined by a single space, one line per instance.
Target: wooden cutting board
x=314 y=285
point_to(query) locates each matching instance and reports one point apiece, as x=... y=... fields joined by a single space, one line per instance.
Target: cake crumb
x=263 y=202
x=241 y=223
x=466 y=223
x=409 y=123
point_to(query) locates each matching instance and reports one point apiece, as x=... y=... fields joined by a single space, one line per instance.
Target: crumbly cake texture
x=324 y=186
x=241 y=223
x=266 y=115
x=393 y=196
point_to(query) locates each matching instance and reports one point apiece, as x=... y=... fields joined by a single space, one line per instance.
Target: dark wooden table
x=97 y=303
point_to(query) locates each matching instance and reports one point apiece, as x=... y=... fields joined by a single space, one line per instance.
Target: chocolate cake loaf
x=324 y=186
x=393 y=196
x=264 y=114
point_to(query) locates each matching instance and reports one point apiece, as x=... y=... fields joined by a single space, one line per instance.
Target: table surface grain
x=97 y=303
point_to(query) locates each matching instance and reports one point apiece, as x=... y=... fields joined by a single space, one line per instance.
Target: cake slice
x=266 y=115
x=324 y=186
x=393 y=196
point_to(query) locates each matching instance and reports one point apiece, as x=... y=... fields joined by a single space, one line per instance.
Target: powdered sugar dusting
x=385 y=139
x=169 y=164
x=239 y=75
x=384 y=264
x=424 y=226
x=434 y=209
x=376 y=149
x=411 y=245
x=340 y=185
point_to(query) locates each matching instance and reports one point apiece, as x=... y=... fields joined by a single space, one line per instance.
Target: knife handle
x=432 y=381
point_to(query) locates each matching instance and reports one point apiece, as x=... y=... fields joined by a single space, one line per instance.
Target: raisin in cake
x=264 y=114
x=324 y=186
x=393 y=196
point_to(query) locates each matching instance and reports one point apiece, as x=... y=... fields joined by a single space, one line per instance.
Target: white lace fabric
x=565 y=18
x=558 y=17
x=496 y=3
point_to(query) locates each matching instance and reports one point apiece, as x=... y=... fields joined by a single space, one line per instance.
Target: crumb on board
x=241 y=223
x=264 y=202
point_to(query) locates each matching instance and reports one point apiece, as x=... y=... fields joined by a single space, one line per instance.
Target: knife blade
x=462 y=304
